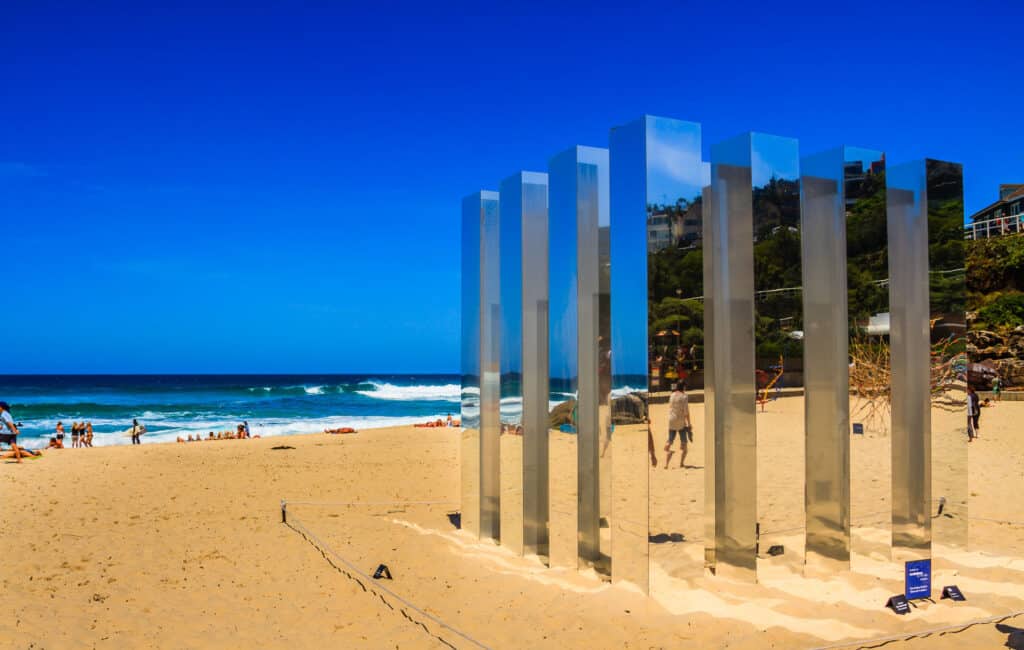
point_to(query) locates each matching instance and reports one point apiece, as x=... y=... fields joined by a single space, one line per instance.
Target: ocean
x=179 y=405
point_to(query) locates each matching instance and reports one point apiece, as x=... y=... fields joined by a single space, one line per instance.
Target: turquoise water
x=179 y=405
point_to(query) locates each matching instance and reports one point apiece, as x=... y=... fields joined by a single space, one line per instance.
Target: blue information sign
x=918 y=579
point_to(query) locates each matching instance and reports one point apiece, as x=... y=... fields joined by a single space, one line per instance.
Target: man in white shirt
x=9 y=430
x=678 y=423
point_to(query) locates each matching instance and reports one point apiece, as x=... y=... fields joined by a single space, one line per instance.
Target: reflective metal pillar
x=469 y=466
x=657 y=178
x=490 y=384
x=755 y=181
x=947 y=335
x=909 y=334
x=832 y=185
x=524 y=392
x=579 y=342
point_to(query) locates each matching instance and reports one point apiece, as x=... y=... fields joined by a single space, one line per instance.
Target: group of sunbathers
x=81 y=435
x=449 y=422
x=240 y=433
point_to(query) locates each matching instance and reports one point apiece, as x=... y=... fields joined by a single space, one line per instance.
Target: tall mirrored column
x=710 y=304
x=469 y=466
x=835 y=185
x=755 y=246
x=490 y=382
x=909 y=334
x=524 y=380
x=657 y=178
x=947 y=337
x=579 y=350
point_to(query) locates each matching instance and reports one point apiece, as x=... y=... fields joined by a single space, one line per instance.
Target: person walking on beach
x=88 y=434
x=136 y=432
x=997 y=388
x=60 y=433
x=9 y=430
x=678 y=423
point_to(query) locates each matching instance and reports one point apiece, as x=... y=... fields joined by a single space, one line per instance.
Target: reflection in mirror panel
x=708 y=244
x=909 y=348
x=657 y=260
x=838 y=187
x=729 y=349
x=490 y=383
x=510 y=225
x=867 y=305
x=524 y=393
x=779 y=355
x=578 y=353
x=948 y=370
x=470 y=397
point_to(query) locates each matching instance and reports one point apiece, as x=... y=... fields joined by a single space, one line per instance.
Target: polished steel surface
x=628 y=303
x=524 y=394
x=657 y=178
x=578 y=337
x=947 y=303
x=909 y=341
x=510 y=226
x=826 y=375
x=563 y=361
x=490 y=384
x=469 y=466
x=731 y=352
x=710 y=304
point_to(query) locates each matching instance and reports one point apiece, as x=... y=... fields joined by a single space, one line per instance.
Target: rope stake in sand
x=375 y=586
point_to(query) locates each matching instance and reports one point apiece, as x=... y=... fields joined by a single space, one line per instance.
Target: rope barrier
x=296 y=524
x=883 y=640
x=368 y=503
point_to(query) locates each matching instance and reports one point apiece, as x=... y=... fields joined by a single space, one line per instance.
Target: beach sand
x=182 y=546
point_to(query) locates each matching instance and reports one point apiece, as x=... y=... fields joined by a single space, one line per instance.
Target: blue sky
x=191 y=189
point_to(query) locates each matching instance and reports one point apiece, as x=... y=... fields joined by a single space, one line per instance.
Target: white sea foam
x=442 y=393
x=314 y=390
x=626 y=390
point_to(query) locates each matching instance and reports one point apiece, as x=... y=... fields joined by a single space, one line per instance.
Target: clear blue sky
x=278 y=190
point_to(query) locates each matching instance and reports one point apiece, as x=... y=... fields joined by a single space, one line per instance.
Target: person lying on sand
x=18 y=453
x=341 y=430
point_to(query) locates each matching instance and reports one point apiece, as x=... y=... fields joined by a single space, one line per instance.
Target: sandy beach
x=182 y=546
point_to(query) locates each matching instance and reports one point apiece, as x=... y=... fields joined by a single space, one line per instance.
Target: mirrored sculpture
x=929 y=424
x=836 y=185
x=580 y=498
x=490 y=370
x=469 y=450
x=524 y=379
x=656 y=225
x=756 y=209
